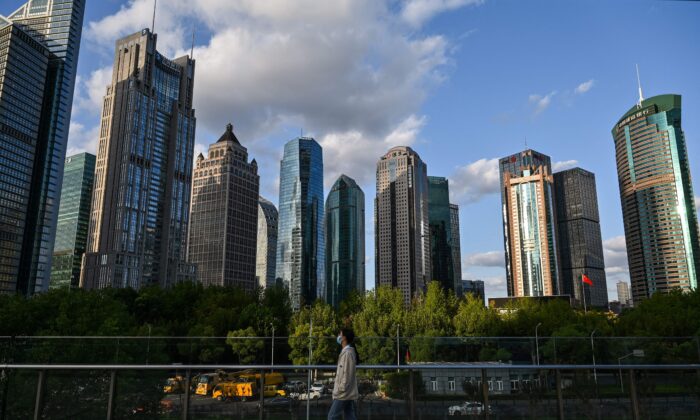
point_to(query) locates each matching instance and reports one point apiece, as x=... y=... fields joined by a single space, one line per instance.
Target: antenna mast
x=639 y=86
x=153 y=22
x=192 y=49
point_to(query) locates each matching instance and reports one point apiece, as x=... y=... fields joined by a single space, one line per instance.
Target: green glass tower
x=345 y=240
x=441 y=235
x=661 y=225
x=73 y=220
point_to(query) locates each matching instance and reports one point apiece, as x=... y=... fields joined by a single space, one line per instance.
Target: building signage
x=639 y=114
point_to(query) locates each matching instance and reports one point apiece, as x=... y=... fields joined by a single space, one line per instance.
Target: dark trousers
x=341 y=407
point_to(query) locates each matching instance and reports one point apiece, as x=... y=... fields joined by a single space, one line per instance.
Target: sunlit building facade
x=441 y=235
x=656 y=191
x=266 y=255
x=456 y=246
x=39 y=45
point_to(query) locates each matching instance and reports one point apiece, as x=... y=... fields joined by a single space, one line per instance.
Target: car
x=318 y=387
x=467 y=408
x=311 y=395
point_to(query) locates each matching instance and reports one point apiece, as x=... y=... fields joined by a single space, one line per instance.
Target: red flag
x=408 y=356
x=585 y=279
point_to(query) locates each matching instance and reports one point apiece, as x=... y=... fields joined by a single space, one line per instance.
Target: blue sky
x=463 y=82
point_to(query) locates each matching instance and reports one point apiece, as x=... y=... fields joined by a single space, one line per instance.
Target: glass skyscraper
x=301 y=238
x=529 y=225
x=441 y=236
x=224 y=215
x=456 y=246
x=345 y=240
x=661 y=225
x=143 y=176
x=580 y=242
x=266 y=256
x=73 y=220
x=39 y=45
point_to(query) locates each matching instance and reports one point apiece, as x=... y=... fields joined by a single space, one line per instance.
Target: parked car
x=319 y=387
x=311 y=395
x=467 y=408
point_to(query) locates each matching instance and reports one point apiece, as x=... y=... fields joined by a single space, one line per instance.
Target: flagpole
x=583 y=292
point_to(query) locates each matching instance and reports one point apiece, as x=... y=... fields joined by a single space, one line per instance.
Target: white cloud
x=615 y=253
x=697 y=203
x=90 y=93
x=584 y=87
x=485 y=259
x=417 y=12
x=471 y=182
x=564 y=165
x=82 y=138
x=541 y=102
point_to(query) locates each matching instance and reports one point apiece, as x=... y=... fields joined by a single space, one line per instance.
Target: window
x=451 y=383
x=433 y=384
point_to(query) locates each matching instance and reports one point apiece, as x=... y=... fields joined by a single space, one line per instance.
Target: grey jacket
x=345 y=387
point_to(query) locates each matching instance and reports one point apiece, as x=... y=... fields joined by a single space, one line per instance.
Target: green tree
x=244 y=346
x=325 y=329
x=382 y=311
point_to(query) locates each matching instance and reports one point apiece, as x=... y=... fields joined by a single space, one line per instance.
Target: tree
x=244 y=346
x=382 y=311
x=325 y=329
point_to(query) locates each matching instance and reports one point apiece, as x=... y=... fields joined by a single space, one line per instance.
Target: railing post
x=636 y=415
x=261 y=410
x=485 y=392
x=560 y=398
x=411 y=395
x=186 y=403
x=39 y=401
x=110 y=397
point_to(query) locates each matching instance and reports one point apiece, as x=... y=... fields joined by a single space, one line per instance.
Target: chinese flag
x=585 y=279
x=408 y=356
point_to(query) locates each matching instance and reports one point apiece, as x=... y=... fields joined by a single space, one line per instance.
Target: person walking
x=345 y=388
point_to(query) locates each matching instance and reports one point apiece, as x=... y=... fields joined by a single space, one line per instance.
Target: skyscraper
x=661 y=225
x=456 y=246
x=529 y=225
x=301 y=238
x=474 y=288
x=39 y=45
x=580 y=242
x=266 y=256
x=140 y=205
x=441 y=236
x=224 y=215
x=623 y=294
x=73 y=220
x=345 y=240
x=402 y=231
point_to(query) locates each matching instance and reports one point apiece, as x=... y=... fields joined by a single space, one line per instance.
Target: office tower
x=39 y=45
x=623 y=294
x=345 y=240
x=73 y=220
x=580 y=242
x=266 y=256
x=441 y=236
x=661 y=225
x=301 y=238
x=529 y=225
x=456 y=247
x=474 y=288
x=402 y=231
x=143 y=176
x=224 y=215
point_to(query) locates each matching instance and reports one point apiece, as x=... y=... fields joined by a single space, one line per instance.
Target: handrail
x=112 y=337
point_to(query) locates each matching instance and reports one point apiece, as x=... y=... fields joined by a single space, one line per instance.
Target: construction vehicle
x=243 y=391
x=207 y=382
x=272 y=378
x=174 y=385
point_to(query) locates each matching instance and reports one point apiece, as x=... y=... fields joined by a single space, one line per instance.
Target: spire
x=639 y=86
x=228 y=135
x=192 y=48
x=153 y=22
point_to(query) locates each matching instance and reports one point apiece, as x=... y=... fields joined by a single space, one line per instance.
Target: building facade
x=266 y=255
x=224 y=215
x=140 y=206
x=441 y=235
x=39 y=46
x=580 y=241
x=301 y=238
x=402 y=231
x=474 y=288
x=345 y=240
x=73 y=220
x=529 y=225
x=456 y=246
x=661 y=225
x=623 y=294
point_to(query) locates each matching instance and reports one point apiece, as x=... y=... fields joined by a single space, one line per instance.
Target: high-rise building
x=529 y=225
x=402 y=231
x=456 y=247
x=266 y=256
x=39 y=45
x=474 y=288
x=623 y=294
x=580 y=242
x=661 y=225
x=441 y=235
x=301 y=238
x=224 y=215
x=345 y=240
x=143 y=176
x=73 y=220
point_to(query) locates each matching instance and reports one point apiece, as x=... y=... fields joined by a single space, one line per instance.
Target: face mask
x=339 y=339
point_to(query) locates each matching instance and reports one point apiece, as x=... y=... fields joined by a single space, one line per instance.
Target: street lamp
x=537 y=343
x=148 y=343
x=595 y=375
x=635 y=353
x=272 y=362
x=398 y=349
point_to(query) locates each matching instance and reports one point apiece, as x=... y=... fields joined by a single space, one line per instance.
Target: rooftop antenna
x=153 y=22
x=525 y=142
x=192 y=48
x=301 y=132
x=639 y=86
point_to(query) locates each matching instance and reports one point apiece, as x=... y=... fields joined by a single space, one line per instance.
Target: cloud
x=90 y=93
x=697 y=203
x=584 y=87
x=615 y=253
x=417 y=12
x=564 y=165
x=541 y=102
x=485 y=259
x=471 y=182
x=82 y=138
